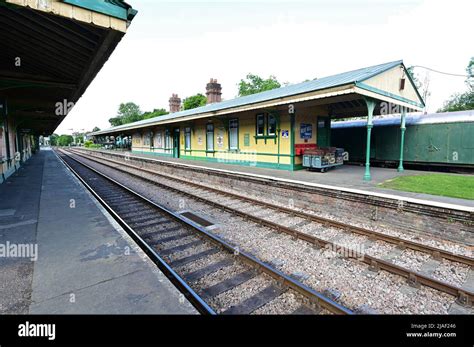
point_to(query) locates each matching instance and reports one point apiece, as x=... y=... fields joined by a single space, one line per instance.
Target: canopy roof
x=51 y=52
x=343 y=83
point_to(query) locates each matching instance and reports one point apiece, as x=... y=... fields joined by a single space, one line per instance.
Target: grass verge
x=455 y=186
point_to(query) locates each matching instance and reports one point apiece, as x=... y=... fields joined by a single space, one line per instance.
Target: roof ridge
x=322 y=83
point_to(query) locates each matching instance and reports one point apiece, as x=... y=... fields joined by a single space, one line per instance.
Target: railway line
x=235 y=204
x=209 y=271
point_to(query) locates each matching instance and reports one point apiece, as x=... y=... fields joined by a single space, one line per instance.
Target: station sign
x=306 y=131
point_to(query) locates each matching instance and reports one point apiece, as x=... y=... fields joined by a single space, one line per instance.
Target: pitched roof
x=290 y=90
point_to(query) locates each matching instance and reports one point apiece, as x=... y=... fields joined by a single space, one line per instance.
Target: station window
x=210 y=137
x=187 y=138
x=159 y=139
x=146 y=139
x=260 y=124
x=271 y=125
x=234 y=134
x=167 y=139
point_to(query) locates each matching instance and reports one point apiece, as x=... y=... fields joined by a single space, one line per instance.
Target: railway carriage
x=443 y=140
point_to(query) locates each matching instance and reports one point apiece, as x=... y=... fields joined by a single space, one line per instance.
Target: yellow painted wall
x=269 y=152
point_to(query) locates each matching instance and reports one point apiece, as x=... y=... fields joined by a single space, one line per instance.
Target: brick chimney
x=213 y=91
x=175 y=103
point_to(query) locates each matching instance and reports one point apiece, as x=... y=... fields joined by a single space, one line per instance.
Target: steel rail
x=313 y=296
x=415 y=278
x=435 y=252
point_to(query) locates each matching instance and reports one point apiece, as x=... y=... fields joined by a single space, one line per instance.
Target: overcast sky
x=177 y=46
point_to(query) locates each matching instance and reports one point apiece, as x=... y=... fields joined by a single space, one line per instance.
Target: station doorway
x=176 y=143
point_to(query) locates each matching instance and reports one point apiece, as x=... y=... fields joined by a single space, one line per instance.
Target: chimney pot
x=175 y=103
x=213 y=91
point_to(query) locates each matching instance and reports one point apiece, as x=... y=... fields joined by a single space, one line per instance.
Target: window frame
x=207 y=137
x=259 y=116
x=268 y=125
x=187 y=132
x=236 y=121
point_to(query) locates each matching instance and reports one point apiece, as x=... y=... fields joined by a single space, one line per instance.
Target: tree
x=96 y=129
x=65 y=140
x=255 y=84
x=470 y=74
x=53 y=139
x=157 y=112
x=462 y=101
x=127 y=113
x=194 y=101
x=422 y=86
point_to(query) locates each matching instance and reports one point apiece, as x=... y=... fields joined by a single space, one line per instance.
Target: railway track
x=187 y=253
x=214 y=196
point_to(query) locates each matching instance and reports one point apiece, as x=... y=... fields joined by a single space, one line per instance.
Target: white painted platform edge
x=317 y=185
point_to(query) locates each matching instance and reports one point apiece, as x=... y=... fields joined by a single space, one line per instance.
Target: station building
x=51 y=51
x=272 y=129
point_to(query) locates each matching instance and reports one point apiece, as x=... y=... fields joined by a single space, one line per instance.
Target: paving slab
x=86 y=263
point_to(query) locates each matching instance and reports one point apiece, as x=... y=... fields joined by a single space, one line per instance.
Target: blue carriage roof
x=411 y=119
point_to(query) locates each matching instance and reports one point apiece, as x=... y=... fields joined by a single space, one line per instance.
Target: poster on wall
x=285 y=134
x=220 y=138
x=200 y=140
x=159 y=140
x=306 y=131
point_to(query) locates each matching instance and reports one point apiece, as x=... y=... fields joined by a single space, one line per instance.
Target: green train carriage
x=435 y=140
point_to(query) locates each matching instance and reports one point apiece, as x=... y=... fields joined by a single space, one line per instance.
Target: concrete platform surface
x=346 y=176
x=86 y=264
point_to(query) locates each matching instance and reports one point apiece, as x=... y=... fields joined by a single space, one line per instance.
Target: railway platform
x=345 y=177
x=61 y=253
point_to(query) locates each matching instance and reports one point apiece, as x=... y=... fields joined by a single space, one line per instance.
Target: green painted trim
x=257 y=164
x=384 y=93
x=292 y=140
x=371 y=103
x=114 y=9
x=153 y=153
x=239 y=152
x=414 y=85
x=394 y=64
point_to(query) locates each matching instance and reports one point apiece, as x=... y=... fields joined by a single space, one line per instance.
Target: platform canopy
x=50 y=52
x=344 y=95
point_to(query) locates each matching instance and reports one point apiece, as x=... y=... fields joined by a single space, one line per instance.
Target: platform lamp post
x=371 y=103
x=402 y=139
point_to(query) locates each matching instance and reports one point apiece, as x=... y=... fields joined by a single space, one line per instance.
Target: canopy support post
x=371 y=103
x=402 y=139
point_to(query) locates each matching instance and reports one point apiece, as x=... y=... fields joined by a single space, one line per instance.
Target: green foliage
x=53 y=139
x=470 y=74
x=156 y=113
x=255 y=84
x=415 y=79
x=130 y=112
x=462 y=101
x=90 y=144
x=65 y=140
x=127 y=113
x=96 y=129
x=194 y=101
x=459 y=102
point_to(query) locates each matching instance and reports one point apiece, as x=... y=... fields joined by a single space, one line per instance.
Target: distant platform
x=346 y=177
x=86 y=264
